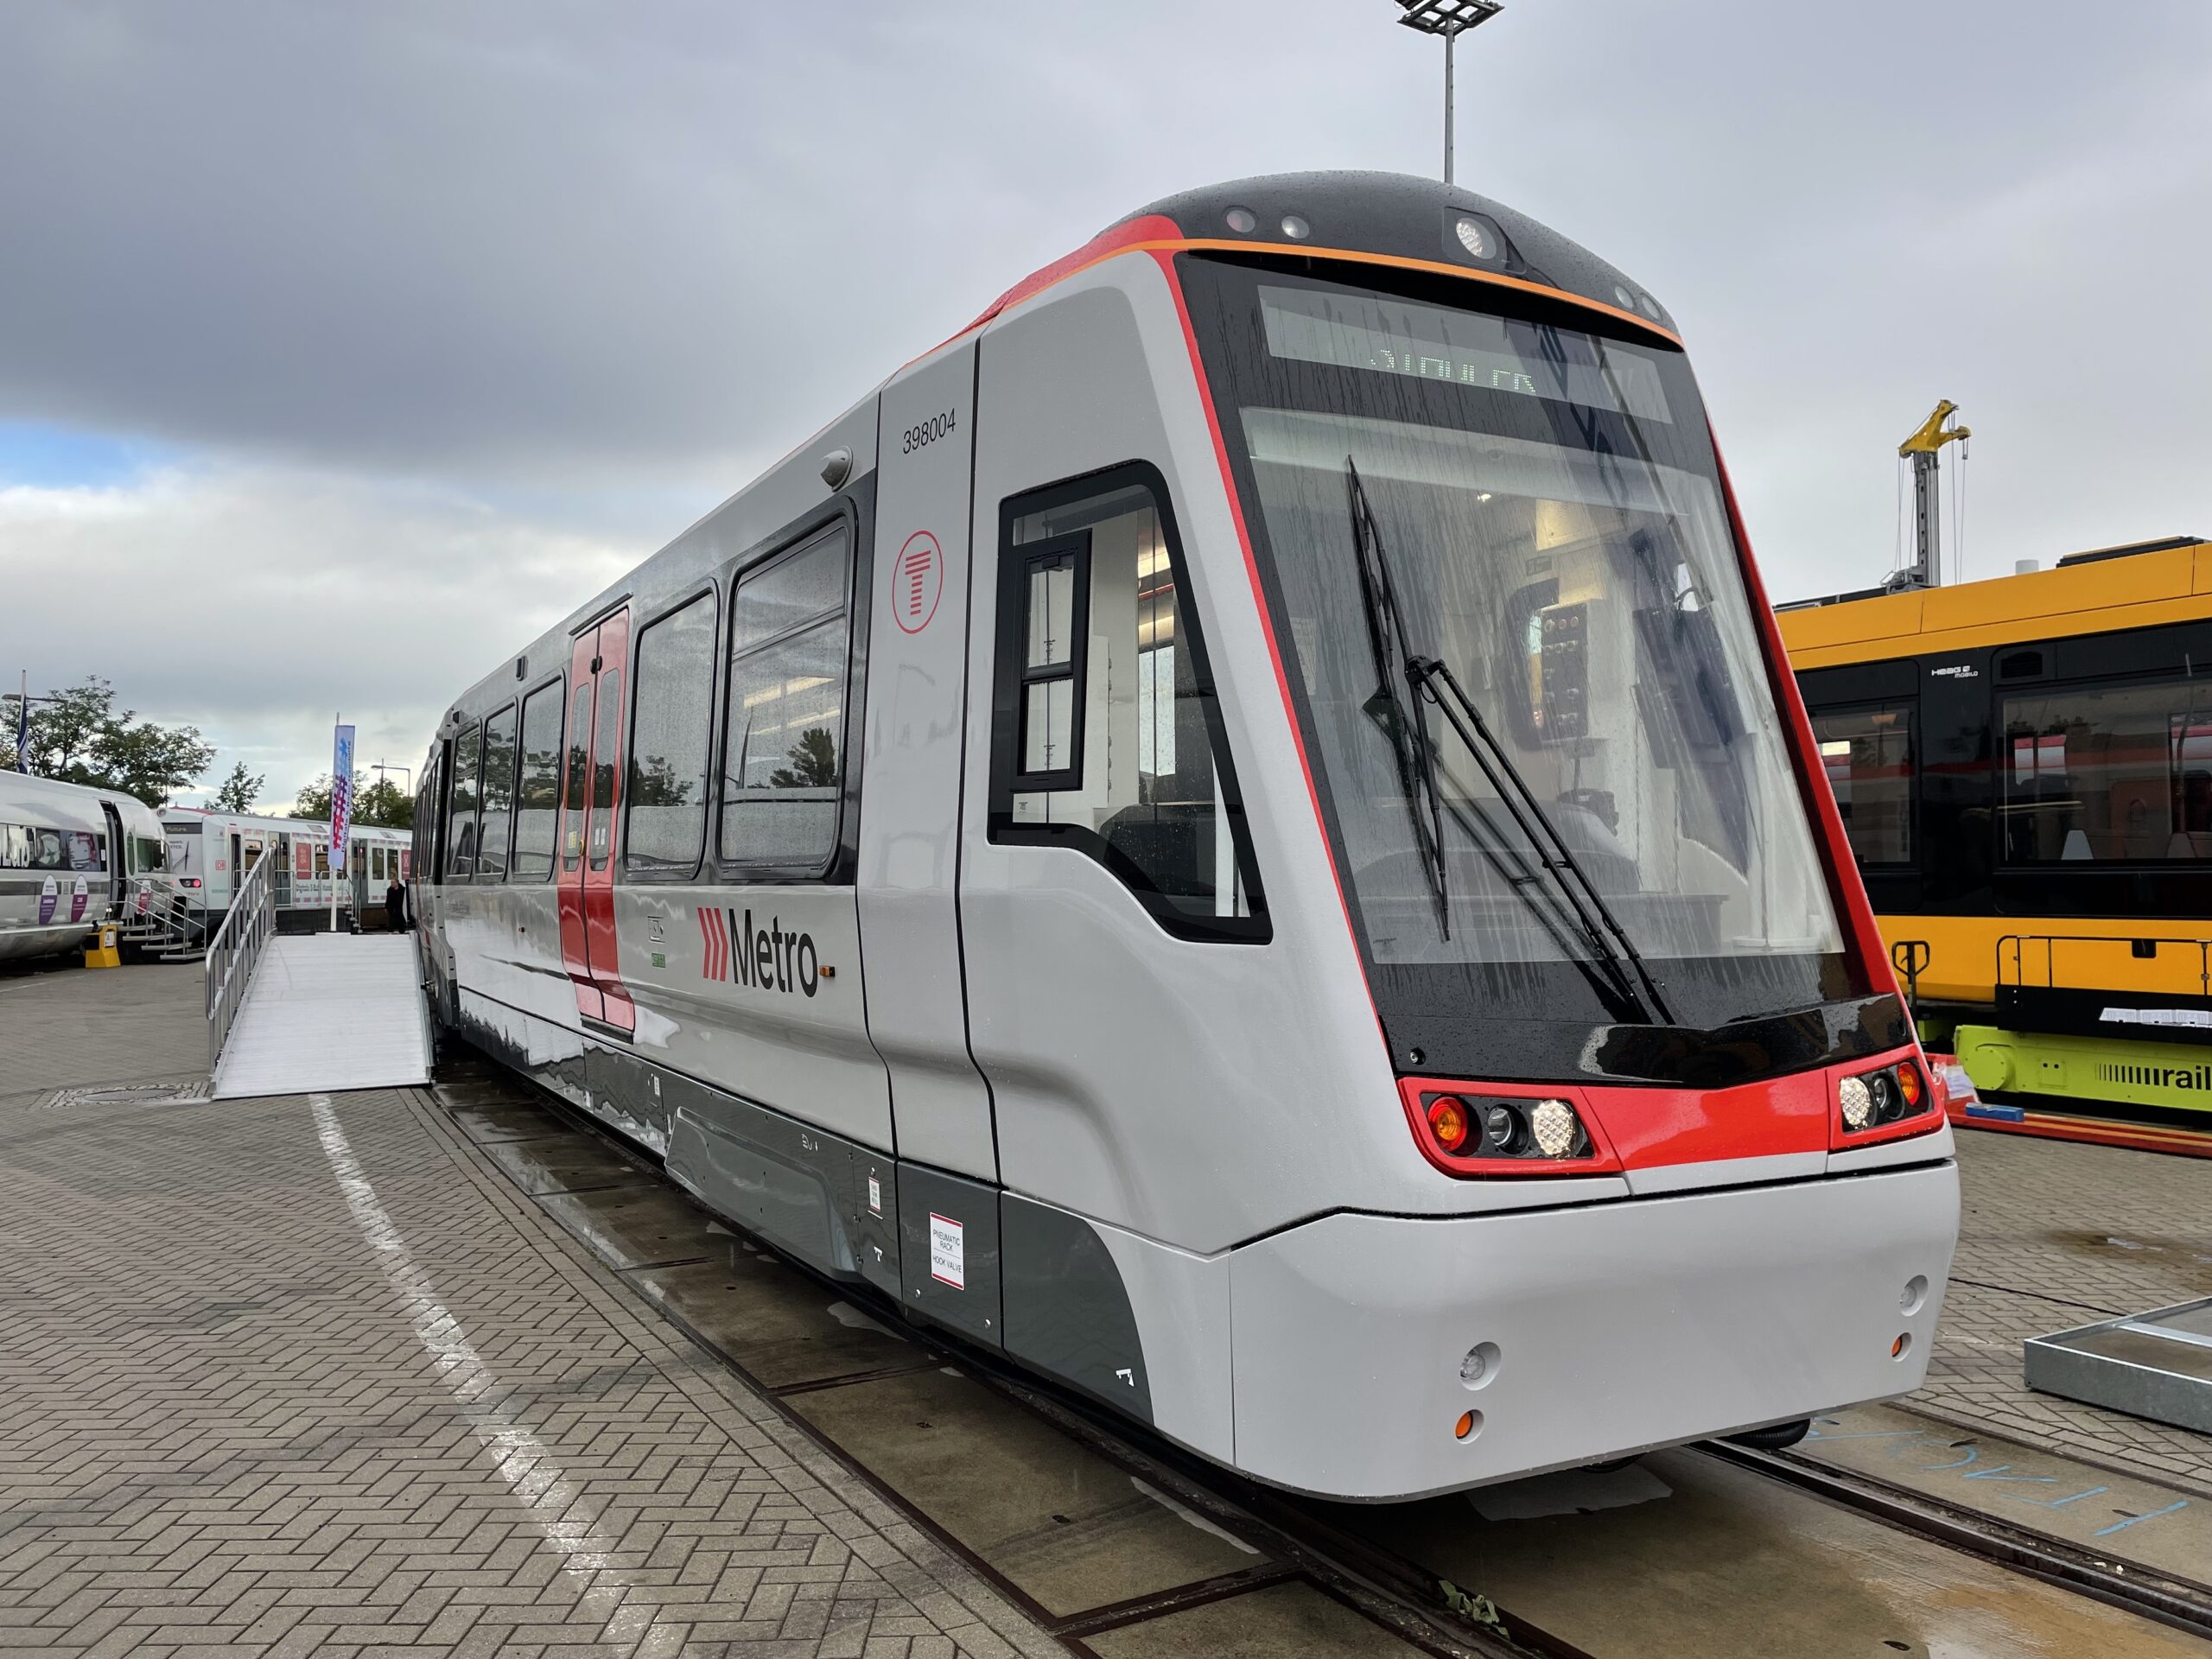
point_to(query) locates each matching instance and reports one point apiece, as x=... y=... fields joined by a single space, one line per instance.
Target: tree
x=813 y=762
x=381 y=803
x=238 y=792
x=80 y=737
x=384 y=804
x=314 y=800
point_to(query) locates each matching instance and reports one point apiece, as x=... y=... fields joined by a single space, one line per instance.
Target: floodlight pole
x=1448 y=102
x=1451 y=19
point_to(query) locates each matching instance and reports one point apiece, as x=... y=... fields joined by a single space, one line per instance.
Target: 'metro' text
x=767 y=958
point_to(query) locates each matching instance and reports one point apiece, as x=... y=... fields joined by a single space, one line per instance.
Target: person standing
x=395 y=907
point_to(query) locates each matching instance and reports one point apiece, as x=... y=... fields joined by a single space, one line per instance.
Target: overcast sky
x=342 y=348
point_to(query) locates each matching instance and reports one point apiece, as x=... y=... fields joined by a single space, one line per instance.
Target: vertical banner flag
x=341 y=796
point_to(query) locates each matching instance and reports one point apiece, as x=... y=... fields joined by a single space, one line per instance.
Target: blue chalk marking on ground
x=2122 y=1526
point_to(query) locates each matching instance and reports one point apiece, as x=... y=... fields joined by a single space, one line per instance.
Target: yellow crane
x=1923 y=445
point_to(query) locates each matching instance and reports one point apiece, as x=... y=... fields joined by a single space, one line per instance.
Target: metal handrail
x=2144 y=949
x=235 y=951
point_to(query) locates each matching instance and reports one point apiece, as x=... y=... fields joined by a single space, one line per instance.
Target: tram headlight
x=1555 y=1127
x=1872 y=1099
x=1857 y=1102
x=1482 y=1133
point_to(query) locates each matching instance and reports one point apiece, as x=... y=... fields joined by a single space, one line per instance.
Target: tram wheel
x=1774 y=1438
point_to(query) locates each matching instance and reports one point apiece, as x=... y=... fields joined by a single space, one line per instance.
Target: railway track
x=1341 y=1550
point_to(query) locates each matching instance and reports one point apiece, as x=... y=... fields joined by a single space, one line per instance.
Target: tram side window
x=1867 y=755
x=15 y=847
x=783 y=748
x=537 y=785
x=2110 y=774
x=87 y=852
x=460 y=807
x=673 y=690
x=1107 y=734
x=499 y=792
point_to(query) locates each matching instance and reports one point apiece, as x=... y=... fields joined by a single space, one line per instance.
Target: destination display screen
x=1385 y=336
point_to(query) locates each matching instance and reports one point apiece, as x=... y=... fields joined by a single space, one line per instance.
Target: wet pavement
x=1682 y=1557
x=445 y=1368
x=2056 y=1235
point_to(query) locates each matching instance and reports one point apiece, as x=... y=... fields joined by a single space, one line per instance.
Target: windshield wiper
x=1401 y=722
x=1597 y=923
x=1394 y=659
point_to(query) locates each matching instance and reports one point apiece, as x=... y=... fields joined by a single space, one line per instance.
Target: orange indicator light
x=1464 y=1427
x=1909 y=1086
x=1447 y=1121
x=1896 y=1348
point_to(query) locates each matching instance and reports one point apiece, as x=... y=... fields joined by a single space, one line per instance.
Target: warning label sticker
x=875 y=1196
x=948 y=1252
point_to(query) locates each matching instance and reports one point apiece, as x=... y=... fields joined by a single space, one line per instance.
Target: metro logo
x=767 y=959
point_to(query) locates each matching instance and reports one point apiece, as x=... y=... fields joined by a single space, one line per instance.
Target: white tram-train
x=211 y=853
x=71 y=857
x=1240 y=832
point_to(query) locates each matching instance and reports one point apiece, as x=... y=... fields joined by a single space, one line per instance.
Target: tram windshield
x=1547 y=507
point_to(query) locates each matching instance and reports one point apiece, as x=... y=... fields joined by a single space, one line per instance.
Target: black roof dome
x=1411 y=218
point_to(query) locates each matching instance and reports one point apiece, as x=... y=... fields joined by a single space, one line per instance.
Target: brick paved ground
x=61 y=1025
x=282 y=1380
x=2056 y=1235
x=276 y=1379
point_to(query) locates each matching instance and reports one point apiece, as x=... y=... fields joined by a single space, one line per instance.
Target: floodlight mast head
x=1451 y=19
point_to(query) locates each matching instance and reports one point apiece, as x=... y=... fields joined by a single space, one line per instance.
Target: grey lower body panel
x=1014 y=1272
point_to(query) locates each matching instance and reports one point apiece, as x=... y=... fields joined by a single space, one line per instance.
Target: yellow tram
x=2025 y=768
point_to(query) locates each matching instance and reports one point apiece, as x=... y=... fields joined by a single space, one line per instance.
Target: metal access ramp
x=2156 y=1365
x=312 y=1011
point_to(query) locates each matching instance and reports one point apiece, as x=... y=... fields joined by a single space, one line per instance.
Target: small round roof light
x=1650 y=308
x=1623 y=298
x=1295 y=228
x=1474 y=236
x=1240 y=220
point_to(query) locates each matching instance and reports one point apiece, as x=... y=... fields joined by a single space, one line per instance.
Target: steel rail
x=2182 y=1604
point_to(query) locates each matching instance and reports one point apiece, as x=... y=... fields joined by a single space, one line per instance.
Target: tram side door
x=911 y=764
x=119 y=878
x=590 y=817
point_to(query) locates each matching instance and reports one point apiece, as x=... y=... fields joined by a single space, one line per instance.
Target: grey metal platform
x=2156 y=1365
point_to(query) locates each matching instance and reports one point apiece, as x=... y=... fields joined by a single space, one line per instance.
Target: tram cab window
x=2110 y=774
x=499 y=792
x=673 y=690
x=1108 y=736
x=462 y=806
x=784 y=748
x=1867 y=755
x=537 y=785
x=148 y=855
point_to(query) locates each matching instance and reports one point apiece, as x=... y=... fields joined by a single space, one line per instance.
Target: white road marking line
x=527 y=1466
